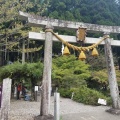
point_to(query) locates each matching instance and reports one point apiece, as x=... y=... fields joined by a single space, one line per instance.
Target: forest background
x=86 y=79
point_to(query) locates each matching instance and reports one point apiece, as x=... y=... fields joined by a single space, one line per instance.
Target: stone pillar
x=56 y=106
x=5 y=103
x=46 y=83
x=111 y=74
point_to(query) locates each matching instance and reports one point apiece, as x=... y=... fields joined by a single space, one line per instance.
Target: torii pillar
x=46 y=83
x=114 y=91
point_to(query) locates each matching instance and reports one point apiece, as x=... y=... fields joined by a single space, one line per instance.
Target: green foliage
x=13 y=29
x=69 y=72
x=18 y=71
x=118 y=76
x=99 y=62
x=10 y=9
x=101 y=76
x=9 y=20
x=84 y=95
x=87 y=96
x=65 y=92
x=99 y=81
x=104 y=12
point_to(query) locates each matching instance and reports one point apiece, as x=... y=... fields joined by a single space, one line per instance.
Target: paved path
x=70 y=110
x=90 y=116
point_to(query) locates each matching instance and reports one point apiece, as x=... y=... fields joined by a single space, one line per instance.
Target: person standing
x=19 y=88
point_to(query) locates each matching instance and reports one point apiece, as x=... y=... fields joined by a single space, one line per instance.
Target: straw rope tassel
x=94 y=52
x=66 y=51
x=82 y=56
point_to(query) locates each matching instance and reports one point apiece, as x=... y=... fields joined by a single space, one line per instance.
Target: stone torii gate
x=48 y=37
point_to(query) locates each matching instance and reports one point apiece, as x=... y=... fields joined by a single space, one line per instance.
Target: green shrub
x=65 y=92
x=109 y=101
x=87 y=96
x=84 y=95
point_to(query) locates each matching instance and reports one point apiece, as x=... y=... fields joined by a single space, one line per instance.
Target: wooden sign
x=81 y=34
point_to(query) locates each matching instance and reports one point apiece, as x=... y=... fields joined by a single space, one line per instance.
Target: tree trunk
x=32 y=89
x=112 y=75
x=23 y=53
x=0 y=58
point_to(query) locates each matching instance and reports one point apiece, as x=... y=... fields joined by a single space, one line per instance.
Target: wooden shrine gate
x=48 y=37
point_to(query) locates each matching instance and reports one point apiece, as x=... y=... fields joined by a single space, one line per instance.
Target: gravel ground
x=26 y=110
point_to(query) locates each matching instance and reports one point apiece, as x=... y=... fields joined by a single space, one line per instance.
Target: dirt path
x=70 y=110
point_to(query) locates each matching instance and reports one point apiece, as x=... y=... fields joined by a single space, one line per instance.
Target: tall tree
x=12 y=29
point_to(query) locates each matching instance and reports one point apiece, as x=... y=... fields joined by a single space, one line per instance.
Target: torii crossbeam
x=48 y=37
x=42 y=21
x=71 y=39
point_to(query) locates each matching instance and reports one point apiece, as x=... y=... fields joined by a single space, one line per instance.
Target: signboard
x=102 y=101
x=36 y=88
